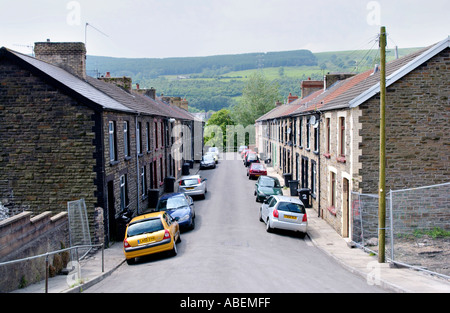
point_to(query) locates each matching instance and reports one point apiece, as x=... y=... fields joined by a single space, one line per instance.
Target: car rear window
x=145 y=226
x=172 y=203
x=257 y=166
x=269 y=182
x=189 y=182
x=291 y=207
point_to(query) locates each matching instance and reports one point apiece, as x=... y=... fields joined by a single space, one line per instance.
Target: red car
x=256 y=170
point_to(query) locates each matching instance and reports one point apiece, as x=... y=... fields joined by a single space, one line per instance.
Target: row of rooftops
x=94 y=92
x=350 y=90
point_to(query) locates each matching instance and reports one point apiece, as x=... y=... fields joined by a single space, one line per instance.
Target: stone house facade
x=66 y=136
x=347 y=130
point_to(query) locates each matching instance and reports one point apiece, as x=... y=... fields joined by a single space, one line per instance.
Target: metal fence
x=72 y=266
x=417 y=227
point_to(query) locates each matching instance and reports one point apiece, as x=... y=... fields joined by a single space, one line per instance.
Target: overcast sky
x=179 y=28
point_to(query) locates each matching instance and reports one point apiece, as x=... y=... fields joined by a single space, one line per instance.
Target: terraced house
x=66 y=136
x=329 y=138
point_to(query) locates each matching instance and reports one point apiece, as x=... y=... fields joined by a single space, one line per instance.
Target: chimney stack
x=291 y=98
x=310 y=86
x=331 y=79
x=70 y=56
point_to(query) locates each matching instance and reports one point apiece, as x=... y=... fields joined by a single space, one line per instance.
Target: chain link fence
x=417 y=226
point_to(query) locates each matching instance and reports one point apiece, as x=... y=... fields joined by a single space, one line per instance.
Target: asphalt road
x=230 y=251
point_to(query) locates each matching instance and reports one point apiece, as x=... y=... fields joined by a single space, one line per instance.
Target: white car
x=284 y=213
x=241 y=148
x=213 y=155
x=193 y=185
x=215 y=151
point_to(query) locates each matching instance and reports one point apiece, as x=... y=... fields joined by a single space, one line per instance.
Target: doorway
x=112 y=225
x=345 y=208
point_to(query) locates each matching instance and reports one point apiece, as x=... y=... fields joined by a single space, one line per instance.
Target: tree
x=216 y=129
x=258 y=97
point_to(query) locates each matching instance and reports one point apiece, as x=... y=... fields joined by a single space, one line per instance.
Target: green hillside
x=216 y=82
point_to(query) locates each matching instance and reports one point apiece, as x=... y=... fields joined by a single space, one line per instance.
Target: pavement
x=322 y=235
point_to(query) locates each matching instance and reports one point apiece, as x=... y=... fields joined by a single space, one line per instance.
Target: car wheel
x=268 y=228
x=193 y=223
x=260 y=214
x=131 y=261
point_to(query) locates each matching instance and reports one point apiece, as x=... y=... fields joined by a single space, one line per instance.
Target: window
x=333 y=190
x=313 y=178
x=156 y=135
x=316 y=138
x=123 y=192
x=112 y=141
x=308 y=134
x=148 y=136
x=300 y=130
x=294 y=132
x=144 y=181
x=328 y=138
x=126 y=139
x=342 y=136
x=139 y=137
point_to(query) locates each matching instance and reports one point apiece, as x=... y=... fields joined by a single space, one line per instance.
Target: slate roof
x=104 y=95
x=72 y=82
x=355 y=90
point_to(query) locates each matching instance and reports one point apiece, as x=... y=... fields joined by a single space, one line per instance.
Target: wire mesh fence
x=417 y=226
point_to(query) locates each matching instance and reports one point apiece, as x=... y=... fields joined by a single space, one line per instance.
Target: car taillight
x=199 y=181
x=166 y=234
x=180 y=182
x=275 y=213
x=126 y=244
x=305 y=219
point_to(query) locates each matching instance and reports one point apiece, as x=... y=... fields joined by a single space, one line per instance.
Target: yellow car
x=151 y=233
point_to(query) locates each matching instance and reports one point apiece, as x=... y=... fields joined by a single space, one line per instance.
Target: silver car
x=193 y=185
x=284 y=213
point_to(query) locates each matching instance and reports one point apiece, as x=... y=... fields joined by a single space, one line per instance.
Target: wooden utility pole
x=382 y=179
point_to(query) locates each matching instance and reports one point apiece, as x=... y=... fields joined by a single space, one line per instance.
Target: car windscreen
x=291 y=207
x=189 y=182
x=252 y=157
x=144 y=226
x=269 y=182
x=172 y=203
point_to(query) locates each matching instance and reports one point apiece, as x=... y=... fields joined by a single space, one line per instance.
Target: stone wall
x=46 y=143
x=25 y=236
x=417 y=130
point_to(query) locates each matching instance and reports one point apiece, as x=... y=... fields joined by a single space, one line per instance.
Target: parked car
x=284 y=213
x=180 y=207
x=244 y=153
x=150 y=233
x=207 y=162
x=251 y=158
x=194 y=185
x=214 y=156
x=256 y=170
x=214 y=150
x=241 y=148
x=267 y=186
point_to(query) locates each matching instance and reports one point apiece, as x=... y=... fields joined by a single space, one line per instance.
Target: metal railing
x=46 y=255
